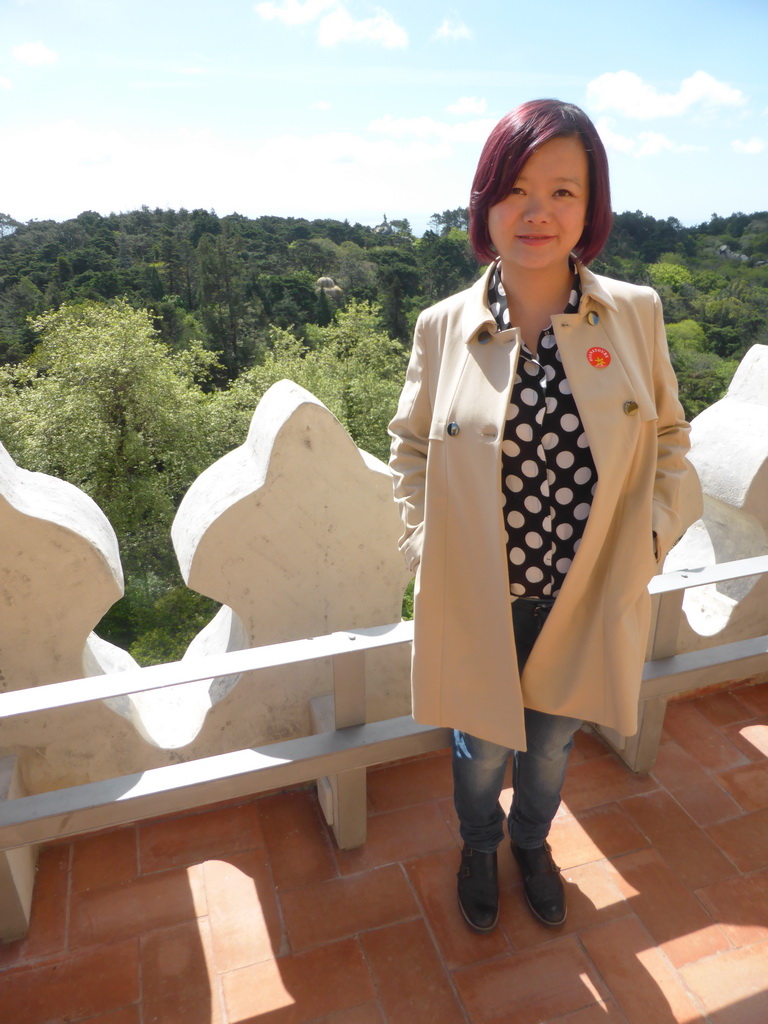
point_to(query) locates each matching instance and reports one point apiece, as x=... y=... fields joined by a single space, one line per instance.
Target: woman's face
x=537 y=225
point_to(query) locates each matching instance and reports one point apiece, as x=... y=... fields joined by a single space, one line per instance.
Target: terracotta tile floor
x=248 y=913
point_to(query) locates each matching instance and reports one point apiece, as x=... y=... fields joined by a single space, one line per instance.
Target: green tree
x=449 y=220
x=20 y=301
x=731 y=324
x=356 y=274
x=703 y=378
x=203 y=222
x=702 y=375
x=319 y=256
x=398 y=280
x=288 y=300
x=686 y=334
x=222 y=297
x=446 y=263
x=104 y=404
x=352 y=366
x=669 y=274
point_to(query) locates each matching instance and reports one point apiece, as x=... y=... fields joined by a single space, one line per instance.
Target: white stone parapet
x=295 y=532
x=729 y=449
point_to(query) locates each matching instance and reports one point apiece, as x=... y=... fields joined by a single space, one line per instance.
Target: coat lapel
x=476 y=376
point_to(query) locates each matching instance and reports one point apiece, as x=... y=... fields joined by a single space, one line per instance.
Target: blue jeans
x=537 y=773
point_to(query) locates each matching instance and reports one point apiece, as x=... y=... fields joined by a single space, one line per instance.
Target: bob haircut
x=514 y=139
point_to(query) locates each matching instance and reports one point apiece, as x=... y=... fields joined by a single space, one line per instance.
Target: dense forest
x=135 y=347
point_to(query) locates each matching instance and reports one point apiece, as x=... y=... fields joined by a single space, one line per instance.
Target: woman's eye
x=563 y=192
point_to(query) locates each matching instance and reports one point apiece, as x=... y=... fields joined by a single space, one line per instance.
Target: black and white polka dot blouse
x=548 y=477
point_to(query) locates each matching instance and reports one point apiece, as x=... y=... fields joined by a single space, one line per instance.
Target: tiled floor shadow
x=687 y=851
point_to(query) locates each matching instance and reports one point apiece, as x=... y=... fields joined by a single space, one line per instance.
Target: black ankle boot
x=542 y=883
x=479 y=889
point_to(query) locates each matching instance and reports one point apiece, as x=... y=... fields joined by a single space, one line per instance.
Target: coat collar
x=477 y=317
x=593 y=290
x=475 y=314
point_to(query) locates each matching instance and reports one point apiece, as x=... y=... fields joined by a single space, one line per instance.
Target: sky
x=354 y=110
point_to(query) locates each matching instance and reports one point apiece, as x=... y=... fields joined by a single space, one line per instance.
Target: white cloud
x=612 y=140
x=341 y=27
x=5 y=83
x=422 y=127
x=33 y=54
x=652 y=143
x=451 y=29
x=467 y=105
x=320 y=105
x=646 y=143
x=335 y=23
x=427 y=127
x=753 y=145
x=627 y=93
x=292 y=12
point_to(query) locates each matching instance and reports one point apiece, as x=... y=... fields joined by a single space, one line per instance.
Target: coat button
x=630 y=408
x=453 y=429
x=593 y=318
x=484 y=337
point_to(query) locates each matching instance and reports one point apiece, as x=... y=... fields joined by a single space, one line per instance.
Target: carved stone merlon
x=730 y=453
x=59 y=573
x=730 y=441
x=295 y=532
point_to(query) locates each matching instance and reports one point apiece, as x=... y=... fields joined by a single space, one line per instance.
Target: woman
x=538 y=454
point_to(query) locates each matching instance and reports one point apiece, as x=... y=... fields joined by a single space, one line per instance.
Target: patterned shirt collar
x=497 y=300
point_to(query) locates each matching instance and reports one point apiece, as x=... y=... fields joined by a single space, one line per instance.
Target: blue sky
x=349 y=109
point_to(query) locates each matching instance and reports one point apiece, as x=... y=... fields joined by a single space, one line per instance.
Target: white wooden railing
x=343 y=745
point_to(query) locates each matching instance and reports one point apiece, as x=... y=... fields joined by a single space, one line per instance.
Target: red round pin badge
x=599 y=357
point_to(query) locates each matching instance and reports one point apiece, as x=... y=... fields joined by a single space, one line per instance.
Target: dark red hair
x=514 y=139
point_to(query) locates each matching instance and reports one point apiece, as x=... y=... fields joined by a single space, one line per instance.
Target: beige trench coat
x=588 y=660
